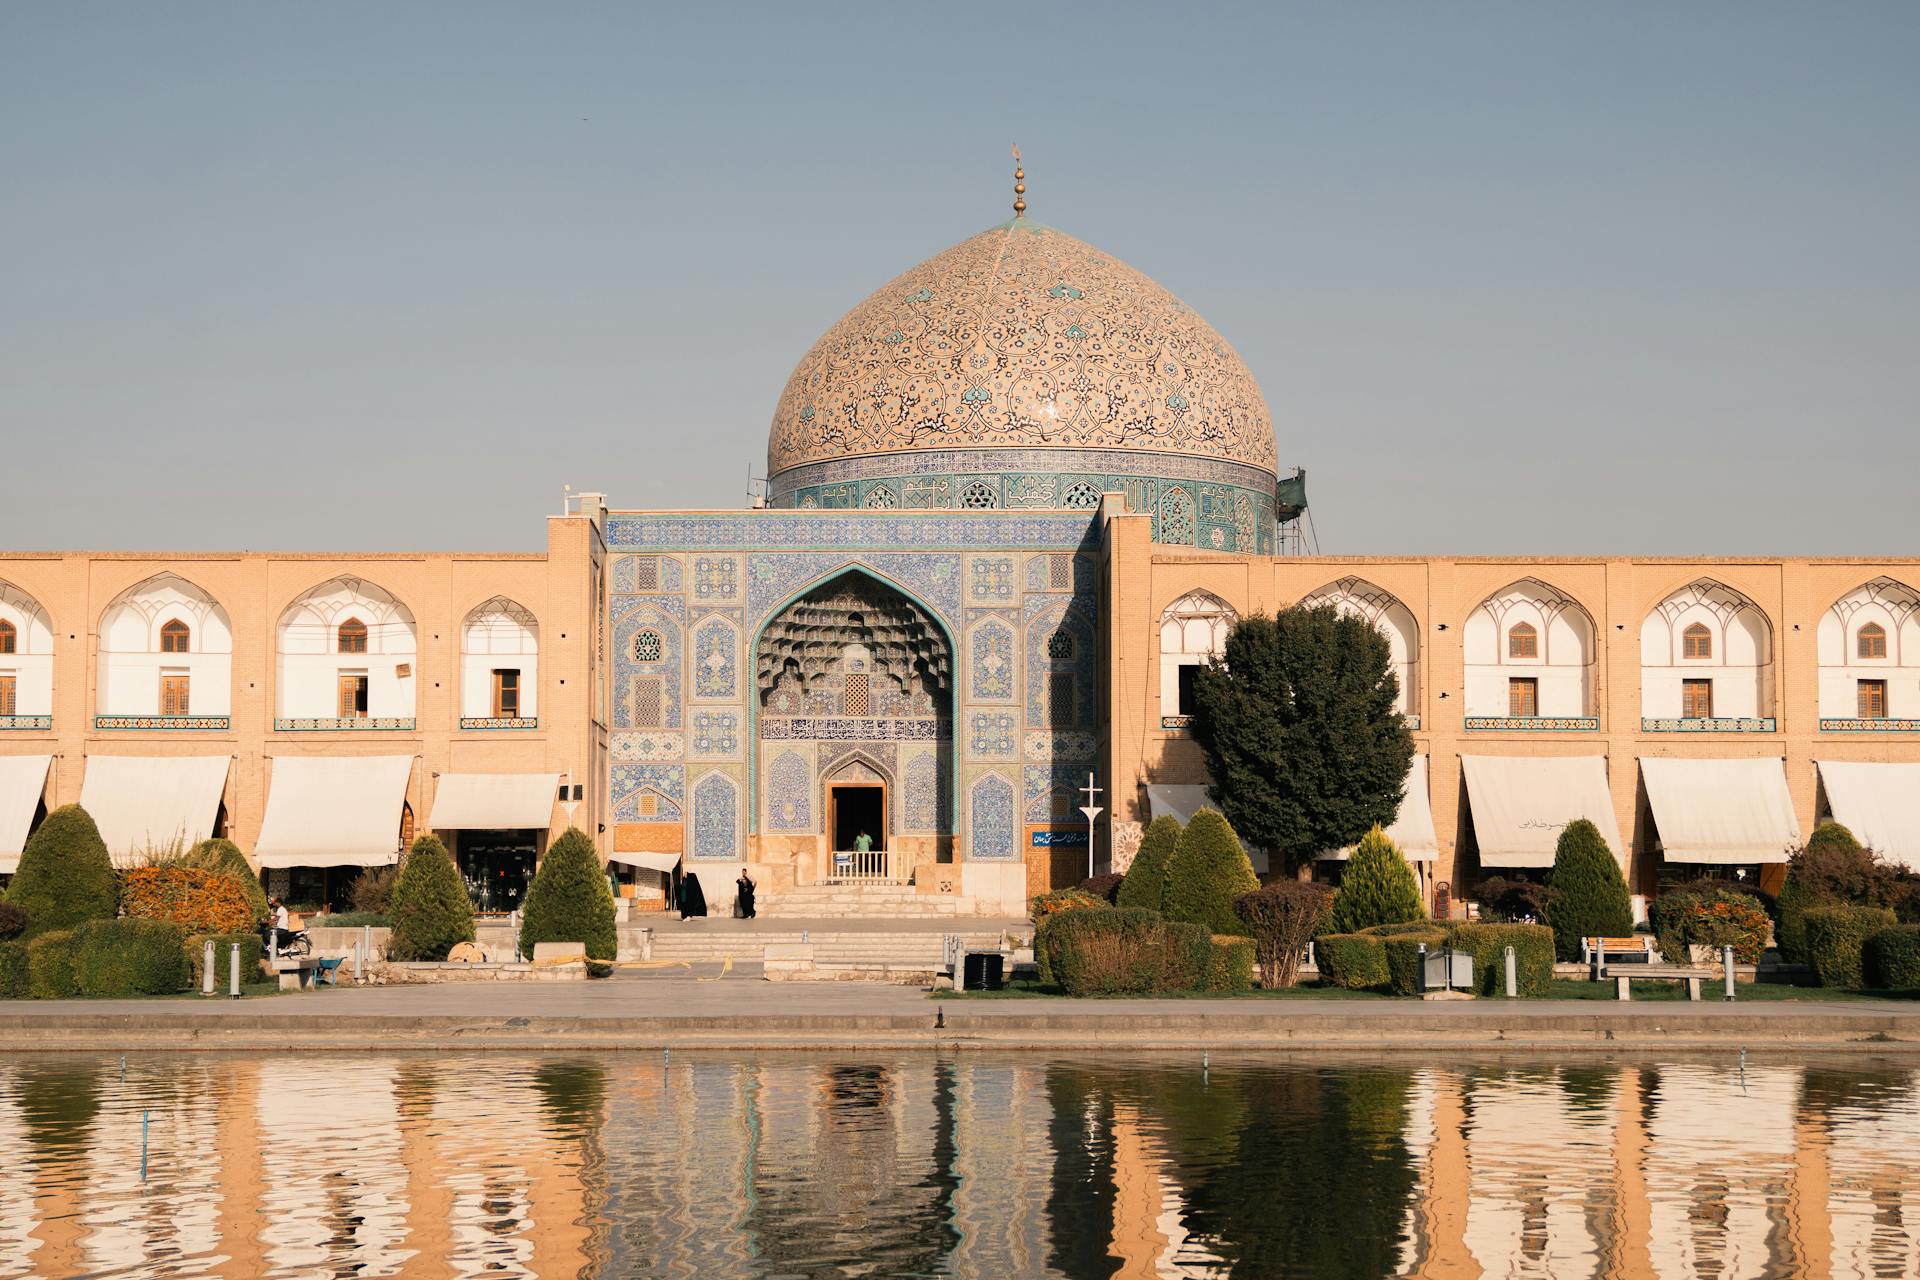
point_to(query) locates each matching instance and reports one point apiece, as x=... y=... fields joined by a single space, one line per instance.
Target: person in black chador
x=743 y=889
x=693 y=901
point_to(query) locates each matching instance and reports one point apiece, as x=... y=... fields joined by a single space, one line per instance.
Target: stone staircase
x=920 y=949
x=866 y=901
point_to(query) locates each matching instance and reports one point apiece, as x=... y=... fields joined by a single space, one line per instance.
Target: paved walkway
x=739 y=1012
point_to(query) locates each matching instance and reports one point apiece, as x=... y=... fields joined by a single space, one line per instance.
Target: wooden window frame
x=1523 y=640
x=176 y=637
x=9 y=637
x=362 y=685
x=1523 y=697
x=1871 y=699
x=506 y=693
x=1690 y=693
x=350 y=641
x=9 y=695
x=176 y=693
x=1696 y=637
x=1870 y=641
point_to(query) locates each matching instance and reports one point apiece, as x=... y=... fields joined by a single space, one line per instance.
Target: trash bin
x=983 y=971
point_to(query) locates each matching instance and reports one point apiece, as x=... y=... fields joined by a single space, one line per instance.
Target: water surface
x=976 y=1165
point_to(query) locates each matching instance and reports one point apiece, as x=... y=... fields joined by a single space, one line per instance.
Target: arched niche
x=328 y=673
x=166 y=652
x=1869 y=649
x=1529 y=651
x=500 y=662
x=1193 y=629
x=26 y=658
x=1706 y=654
x=1381 y=608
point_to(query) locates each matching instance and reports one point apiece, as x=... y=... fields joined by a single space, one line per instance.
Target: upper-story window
x=1696 y=642
x=1523 y=641
x=165 y=649
x=352 y=636
x=175 y=637
x=1872 y=641
x=9 y=637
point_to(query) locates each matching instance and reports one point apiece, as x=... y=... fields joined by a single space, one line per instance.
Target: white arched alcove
x=499 y=662
x=166 y=650
x=1362 y=599
x=346 y=656
x=1706 y=655
x=1193 y=629
x=1869 y=651
x=1529 y=652
x=26 y=658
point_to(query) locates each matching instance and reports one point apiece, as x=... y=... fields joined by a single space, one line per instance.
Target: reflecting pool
x=976 y=1164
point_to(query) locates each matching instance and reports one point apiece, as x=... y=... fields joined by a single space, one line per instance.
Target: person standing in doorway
x=862 y=842
x=743 y=889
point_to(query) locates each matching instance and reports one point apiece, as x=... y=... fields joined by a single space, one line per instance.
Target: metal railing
x=851 y=866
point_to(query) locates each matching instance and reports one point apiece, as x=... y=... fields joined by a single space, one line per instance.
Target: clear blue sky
x=1635 y=278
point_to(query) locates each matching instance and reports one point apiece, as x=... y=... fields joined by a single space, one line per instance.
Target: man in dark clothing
x=743 y=887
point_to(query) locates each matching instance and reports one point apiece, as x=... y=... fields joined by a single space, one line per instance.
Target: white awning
x=494 y=801
x=648 y=861
x=1179 y=800
x=1522 y=803
x=1879 y=803
x=1722 y=812
x=1412 y=827
x=334 y=811
x=143 y=803
x=23 y=780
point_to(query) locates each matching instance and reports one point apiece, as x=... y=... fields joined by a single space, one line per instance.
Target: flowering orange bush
x=1714 y=919
x=204 y=901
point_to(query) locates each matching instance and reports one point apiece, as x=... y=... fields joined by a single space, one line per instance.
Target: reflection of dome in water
x=1023 y=368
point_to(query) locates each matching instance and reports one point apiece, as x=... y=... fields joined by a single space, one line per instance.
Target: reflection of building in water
x=1000 y=1180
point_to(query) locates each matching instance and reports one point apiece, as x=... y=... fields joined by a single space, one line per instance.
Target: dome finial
x=1019 y=184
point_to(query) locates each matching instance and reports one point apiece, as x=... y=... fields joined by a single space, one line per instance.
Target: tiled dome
x=1021 y=338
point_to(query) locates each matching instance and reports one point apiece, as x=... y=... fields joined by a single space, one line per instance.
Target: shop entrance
x=497 y=866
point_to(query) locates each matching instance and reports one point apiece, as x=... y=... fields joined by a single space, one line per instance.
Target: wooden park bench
x=1638 y=948
x=1625 y=975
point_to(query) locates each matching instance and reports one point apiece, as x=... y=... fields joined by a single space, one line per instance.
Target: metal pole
x=207 y=975
x=1513 y=975
x=1424 y=984
x=1089 y=846
x=233 y=971
x=366 y=953
x=1726 y=961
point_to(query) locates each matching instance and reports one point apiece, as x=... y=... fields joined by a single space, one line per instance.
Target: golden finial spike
x=1019 y=184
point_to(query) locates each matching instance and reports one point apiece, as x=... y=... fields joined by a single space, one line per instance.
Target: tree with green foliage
x=1301 y=737
x=1830 y=869
x=1146 y=881
x=1377 y=887
x=1208 y=874
x=570 y=900
x=1589 y=893
x=431 y=911
x=223 y=855
x=65 y=877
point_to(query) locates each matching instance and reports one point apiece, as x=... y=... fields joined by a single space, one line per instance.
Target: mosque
x=1013 y=498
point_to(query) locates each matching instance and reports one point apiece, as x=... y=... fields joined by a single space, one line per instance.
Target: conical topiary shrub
x=1145 y=884
x=570 y=901
x=430 y=911
x=1589 y=893
x=221 y=854
x=65 y=877
x=1208 y=874
x=1377 y=887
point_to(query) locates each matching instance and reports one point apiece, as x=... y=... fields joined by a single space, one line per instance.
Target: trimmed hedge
x=65 y=877
x=1209 y=870
x=1589 y=893
x=1403 y=949
x=431 y=912
x=1713 y=918
x=1891 y=958
x=1836 y=938
x=1145 y=884
x=1532 y=956
x=130 y=957
x=13 y=921
x=1356 y=961
x=569 y=900
x=198 y=900
x=251 y=954
x=50 y=966
x=14 y=983
x=1230 y=966
x=1124 y=951
x=1830 y=869
x=1103 y=886
x=1377 y=887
